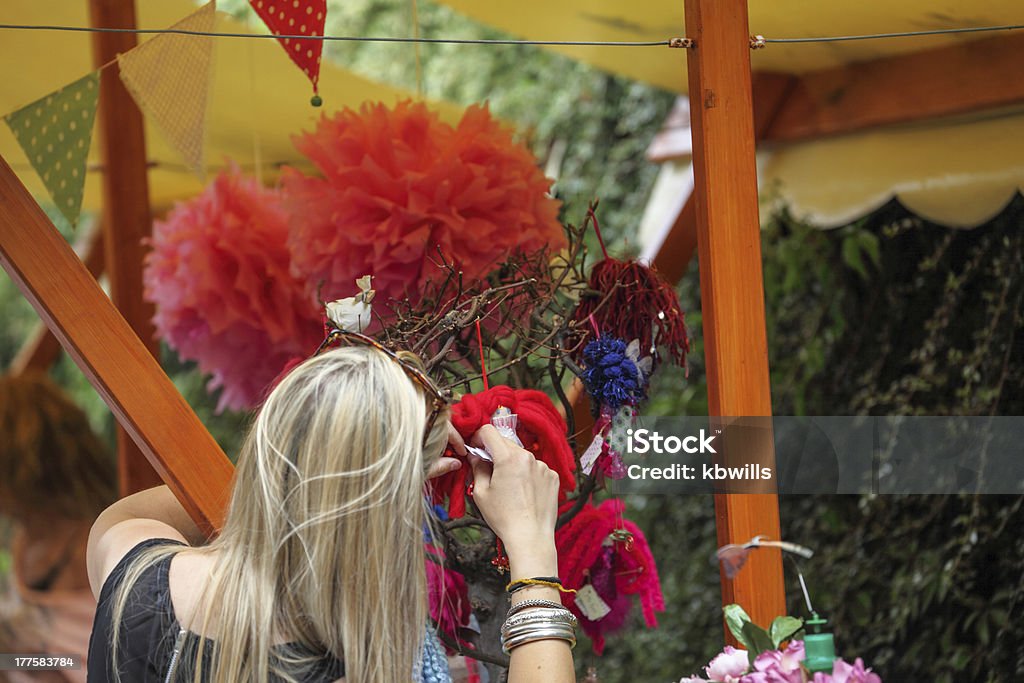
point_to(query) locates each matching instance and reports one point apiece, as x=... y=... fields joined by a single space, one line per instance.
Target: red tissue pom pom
x=540 y=427
x=220 y=276
x=397 y=183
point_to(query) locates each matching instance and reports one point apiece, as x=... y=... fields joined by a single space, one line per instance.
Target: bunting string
x=670 y=42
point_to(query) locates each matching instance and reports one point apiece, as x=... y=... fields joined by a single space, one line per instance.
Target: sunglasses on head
x=439 y=399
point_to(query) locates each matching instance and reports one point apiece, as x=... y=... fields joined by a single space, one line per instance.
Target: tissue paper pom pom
x=220 y=276
x=398 y=183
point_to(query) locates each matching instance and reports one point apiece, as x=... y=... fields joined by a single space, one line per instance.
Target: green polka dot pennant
x=55 y=131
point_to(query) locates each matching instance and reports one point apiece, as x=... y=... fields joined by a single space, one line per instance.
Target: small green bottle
x=819 y=647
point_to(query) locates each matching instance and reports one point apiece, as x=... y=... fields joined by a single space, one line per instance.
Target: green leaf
x=852 y=256
x=869 y=245
x=735 y=619
x=783 y=628
x=758 y=638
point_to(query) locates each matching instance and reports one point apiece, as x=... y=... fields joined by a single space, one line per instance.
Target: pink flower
x=780 y=666
x=729 y=666
x=843 y=672
x=692 y=679
x=220 y=276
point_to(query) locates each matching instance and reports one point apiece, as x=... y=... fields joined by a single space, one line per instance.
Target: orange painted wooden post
x=126 y=215
x=732 y=289
x=118 y=365
x=41 y=349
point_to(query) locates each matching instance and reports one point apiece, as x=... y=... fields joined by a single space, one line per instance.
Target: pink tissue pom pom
x=397 y=184
x=220 y=277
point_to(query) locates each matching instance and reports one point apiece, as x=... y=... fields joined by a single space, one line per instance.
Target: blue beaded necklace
x=434 y=664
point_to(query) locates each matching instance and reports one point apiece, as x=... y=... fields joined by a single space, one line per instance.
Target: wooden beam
x=119 y=366
x=945 y=81
x=41 y=349
x=126 y=215
x=732 y=288
x=770 y=91
x=680 y=244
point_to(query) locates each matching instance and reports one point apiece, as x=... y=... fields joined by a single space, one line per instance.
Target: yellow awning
x=958 y=173
x=259 y=99
x=614 y=20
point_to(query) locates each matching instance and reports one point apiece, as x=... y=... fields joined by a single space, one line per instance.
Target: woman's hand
x=517 y=495
x=445 y=465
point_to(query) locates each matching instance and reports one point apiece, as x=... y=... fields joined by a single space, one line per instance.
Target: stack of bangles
x=532 y=620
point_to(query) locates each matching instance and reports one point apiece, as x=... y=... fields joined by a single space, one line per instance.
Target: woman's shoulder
x=128 y=558
x=110 y=544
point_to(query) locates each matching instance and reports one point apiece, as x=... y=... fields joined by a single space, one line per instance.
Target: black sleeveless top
x=149 y=630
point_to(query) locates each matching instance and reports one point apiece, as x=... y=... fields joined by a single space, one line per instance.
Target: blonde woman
x=318 y=573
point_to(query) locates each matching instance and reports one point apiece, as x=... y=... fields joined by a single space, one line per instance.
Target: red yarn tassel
x=632 y=301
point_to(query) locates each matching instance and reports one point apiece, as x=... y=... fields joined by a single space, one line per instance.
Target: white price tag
x=591 y=455
x=591 y=604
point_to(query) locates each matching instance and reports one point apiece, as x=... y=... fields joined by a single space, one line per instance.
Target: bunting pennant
x=169 y=78
x=293 y=18
x=56 y=132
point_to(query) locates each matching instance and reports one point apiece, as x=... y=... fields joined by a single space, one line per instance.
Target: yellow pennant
x=169 y=77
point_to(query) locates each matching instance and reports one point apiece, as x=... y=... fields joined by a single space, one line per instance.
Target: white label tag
x=591 y=604
x=590 y=455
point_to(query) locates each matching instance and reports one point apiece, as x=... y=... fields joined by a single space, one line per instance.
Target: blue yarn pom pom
x=612 y=378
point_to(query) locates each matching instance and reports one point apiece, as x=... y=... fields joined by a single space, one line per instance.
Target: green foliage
x=755 y=639
x=890 y=315
x=784 y=628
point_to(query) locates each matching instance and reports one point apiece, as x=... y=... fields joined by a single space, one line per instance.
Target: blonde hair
x=323 y=540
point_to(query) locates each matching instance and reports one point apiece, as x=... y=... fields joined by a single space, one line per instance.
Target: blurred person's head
x=52 y=464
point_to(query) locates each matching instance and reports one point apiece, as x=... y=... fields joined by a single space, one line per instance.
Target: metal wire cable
x=671 y=42
x=899 y=34
x=366 y=39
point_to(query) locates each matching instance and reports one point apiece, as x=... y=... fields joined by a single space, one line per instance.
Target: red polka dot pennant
x=297 y=18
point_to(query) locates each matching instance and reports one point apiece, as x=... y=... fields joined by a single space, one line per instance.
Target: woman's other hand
x=445 y=465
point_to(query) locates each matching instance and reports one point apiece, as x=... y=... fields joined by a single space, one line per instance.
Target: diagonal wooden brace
x=126 y=376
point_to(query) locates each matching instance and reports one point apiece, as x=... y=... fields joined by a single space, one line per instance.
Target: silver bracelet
x=533 y=635
x=553 y=630
x=541 y=615
x=527 y=604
